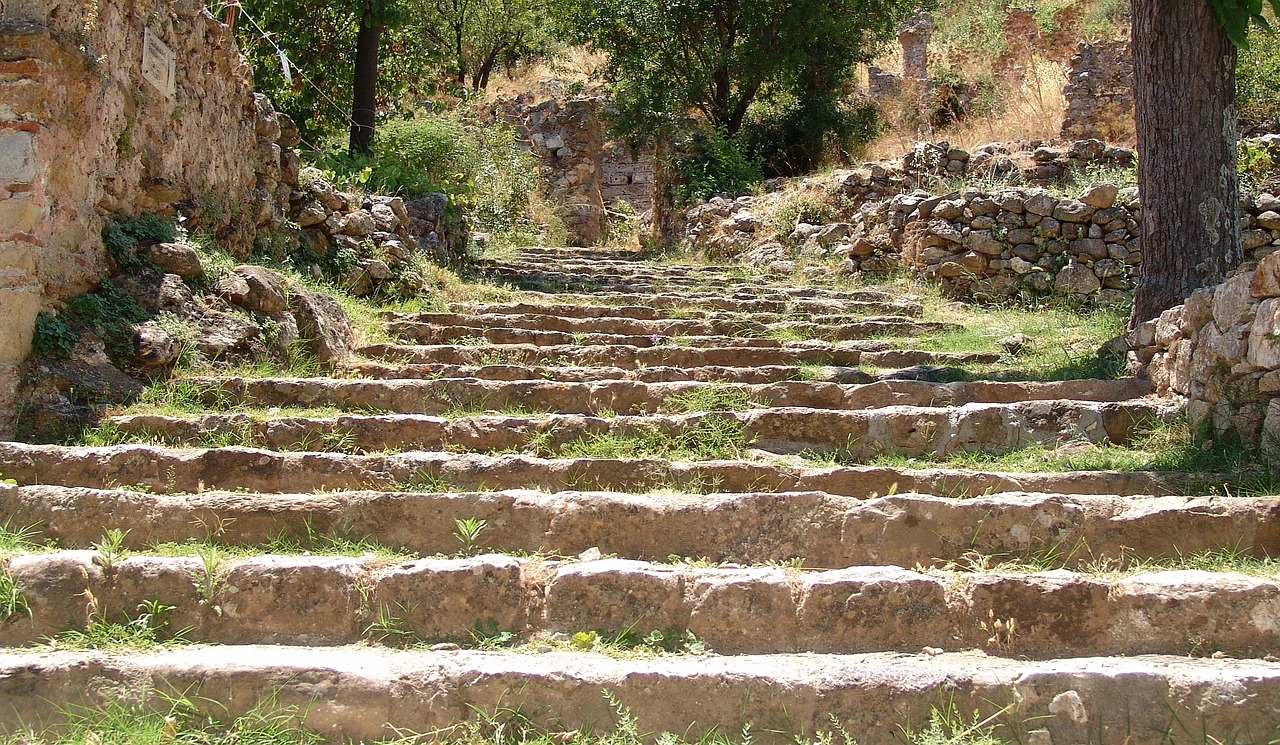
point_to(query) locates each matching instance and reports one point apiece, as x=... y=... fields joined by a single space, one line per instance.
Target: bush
x=121 y=236
x=799 y=136
x=108 y=313
x=480 y=166
x=1258 y=81
x=715 y=164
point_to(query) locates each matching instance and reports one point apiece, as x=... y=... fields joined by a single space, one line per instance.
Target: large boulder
x=322 y=324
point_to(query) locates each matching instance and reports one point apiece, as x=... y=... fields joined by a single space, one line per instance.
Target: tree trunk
x=1184 y=88
x=665 y=224
x=364 y=88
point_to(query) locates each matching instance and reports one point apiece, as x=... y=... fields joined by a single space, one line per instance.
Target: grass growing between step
x=1080 y=558
x=1175 y=446
x=714 y=437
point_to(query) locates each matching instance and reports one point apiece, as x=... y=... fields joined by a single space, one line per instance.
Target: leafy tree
x=478 y=35
x=714 y=58
x=322 y=39
x=1184 y=86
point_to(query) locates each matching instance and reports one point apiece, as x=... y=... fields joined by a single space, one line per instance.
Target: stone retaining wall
x=121 y=107
x=1221 y=352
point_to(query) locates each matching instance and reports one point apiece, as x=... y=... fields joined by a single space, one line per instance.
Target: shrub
x=715 y=163
x=1258 y=81
x=121 y=236
x=797 y=136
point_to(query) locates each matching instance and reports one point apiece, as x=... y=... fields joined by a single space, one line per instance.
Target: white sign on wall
x=158 y=66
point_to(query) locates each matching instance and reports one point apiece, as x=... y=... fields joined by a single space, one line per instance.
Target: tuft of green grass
x=13 y=602
x=21 y=539
x=168 y=719
x=714 y=437
x=149 y=629
x=717 y=396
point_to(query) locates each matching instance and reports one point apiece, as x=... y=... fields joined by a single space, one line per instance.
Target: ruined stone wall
x=1221 y=352
x=1099 y=92
x=91 y=125
x=587 y=174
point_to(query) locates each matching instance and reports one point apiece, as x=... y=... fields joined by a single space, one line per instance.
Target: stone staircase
x=791 y=594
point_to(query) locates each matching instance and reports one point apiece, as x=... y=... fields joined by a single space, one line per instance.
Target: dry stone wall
x=1099 y=92
x=1221 y=352
x=1017 y=242
x=121 y=107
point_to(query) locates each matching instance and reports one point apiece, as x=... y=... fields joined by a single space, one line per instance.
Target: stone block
x=18 y=157
x=1266 y=279
x=1233 y=302
x=20 y=213
x=1264 y=337
x=19 y=306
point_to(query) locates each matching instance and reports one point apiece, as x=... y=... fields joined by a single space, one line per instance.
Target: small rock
x=591 y=554
x=1015 y=344
x=266 y=289
x=175 y=258
x=1100 y=196
x=445 y=647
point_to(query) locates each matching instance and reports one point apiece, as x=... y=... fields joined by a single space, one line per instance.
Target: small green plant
x=629 y=640
x=13 y=602
x=149 y=629
x=211 y=577
x=468 y=533
x=110 y=550
x=19 y=538
x=487 y=635
x=121 y=236
x=948 y=726
x=389 y=628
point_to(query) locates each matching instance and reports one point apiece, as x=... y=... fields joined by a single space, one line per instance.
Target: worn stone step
x=660 y=374
x=562 y=284
x=743 y=302
x=615 y=326
x=857 y=436
x=426 y=333
x=191 y=470
x=762 y=311
x=612 y=266
x=316 y=600
x=362 y=693
x=820 y=530
x=473 y=395
x=843 y=354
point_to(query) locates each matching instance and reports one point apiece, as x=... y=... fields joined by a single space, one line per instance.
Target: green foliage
x=480 y=166
x=162 y=719
x=1258 y=82
x=121 y=236
x=1236 y=16
x=13 y=602
x=108 y=313
x=796 y=136
x=716 y=164
x=468 y=533
x=52 y=338
x=478 y=36
x=668 y=641
x=149 y=629
x=713 y=60
x=320 y=39
x=1254 y=164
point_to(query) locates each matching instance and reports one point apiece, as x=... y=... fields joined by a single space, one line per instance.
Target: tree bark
x=364 y=98
x=1184 y=90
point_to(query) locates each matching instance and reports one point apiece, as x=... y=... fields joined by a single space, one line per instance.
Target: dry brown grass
x=1031 y=109
x=574 y=64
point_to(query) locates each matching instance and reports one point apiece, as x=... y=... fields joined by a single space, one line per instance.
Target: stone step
x=660 y=374
x=319 y=600
x=473 y=395
x=190 y=470
x=857 y=436
x=617 y=326
x=818 y=529
x=761 y=310
x=843 y=354
x=573 y=283
x=744 y=302
x=425 y=333
x=362 y=693
x=610 y=266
